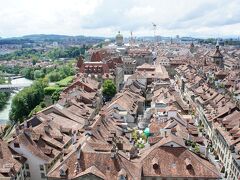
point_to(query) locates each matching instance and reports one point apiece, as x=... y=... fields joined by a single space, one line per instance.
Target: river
x=4 y=113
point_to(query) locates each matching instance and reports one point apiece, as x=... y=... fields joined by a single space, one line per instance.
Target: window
x=28 y=174
x=43 y=175
x=26 y=166
x=122 y=177
x=16 y=145
x=41 y=167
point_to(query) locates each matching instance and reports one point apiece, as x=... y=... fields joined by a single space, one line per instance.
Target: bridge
x=11 y=76
x=16 y=77
x=12 y=87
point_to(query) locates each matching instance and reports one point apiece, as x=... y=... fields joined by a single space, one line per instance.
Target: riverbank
x=4 y=113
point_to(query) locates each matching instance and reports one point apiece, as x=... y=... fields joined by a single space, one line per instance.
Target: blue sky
x=200 y=18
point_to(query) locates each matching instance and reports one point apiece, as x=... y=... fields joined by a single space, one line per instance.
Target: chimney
x=77 y=168
x=102 y=114
x=110 y=140
x=17 y=129
x=83 y=79
x=229 y=110
x=74 y=137
x=98 y=127
x=61 y=157
x=223 y=103
x=113 y=133
x=130 y=137
x=25 y=124
x=88 y=131
x=165 y=95
x=47 y=129
x=113 y=152
x=78 y=153
x=119 y=145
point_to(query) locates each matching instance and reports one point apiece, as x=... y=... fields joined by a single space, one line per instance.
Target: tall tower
x=131 y=40
x=218 y=57
x=192 y=47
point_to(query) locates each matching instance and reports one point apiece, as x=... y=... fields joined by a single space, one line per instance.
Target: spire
x=217 y=45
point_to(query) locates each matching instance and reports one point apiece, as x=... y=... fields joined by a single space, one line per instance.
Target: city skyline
x=105 y=18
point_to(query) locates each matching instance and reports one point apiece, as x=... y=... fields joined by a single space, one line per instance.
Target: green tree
x=54 y=76
x=34 y=61
x=4 y=96
x=26 y=100
x=109 y=88
x=27 y=73
x=55 y=96
x=38 y=74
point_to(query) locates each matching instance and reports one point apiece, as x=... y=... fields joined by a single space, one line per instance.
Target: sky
x=197 y=18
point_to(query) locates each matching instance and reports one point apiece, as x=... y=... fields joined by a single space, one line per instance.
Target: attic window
x=188 y=163
x=155 y=163
x=122 y=175
x=63 y=170
x=16 y=145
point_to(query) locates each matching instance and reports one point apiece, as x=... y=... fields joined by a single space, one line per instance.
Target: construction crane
x=154 y=30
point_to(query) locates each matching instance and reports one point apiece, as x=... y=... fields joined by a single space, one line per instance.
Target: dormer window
x=122 y=175
x=63 y=170
x=188 y=164
x=155 y=163
x=16 y=145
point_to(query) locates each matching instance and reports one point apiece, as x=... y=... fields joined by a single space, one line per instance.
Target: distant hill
x=55 y=37
x=48 y=38
x=39 y=37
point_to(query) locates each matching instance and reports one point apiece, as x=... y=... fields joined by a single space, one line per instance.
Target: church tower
x=218 y=57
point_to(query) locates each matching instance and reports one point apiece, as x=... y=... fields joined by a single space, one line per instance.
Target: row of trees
x=23 y=54
x=10 y=70
x=60 y=73
x=71 y=52
x=56 y=53
x=55 y=73
x=26 y=100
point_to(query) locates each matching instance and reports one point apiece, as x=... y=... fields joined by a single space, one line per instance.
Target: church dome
x=119 y=35
x=119 y=39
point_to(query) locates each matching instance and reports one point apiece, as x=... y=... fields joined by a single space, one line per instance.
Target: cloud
x=106 y=17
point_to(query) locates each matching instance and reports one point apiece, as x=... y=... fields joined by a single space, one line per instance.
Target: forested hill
x=48 y=38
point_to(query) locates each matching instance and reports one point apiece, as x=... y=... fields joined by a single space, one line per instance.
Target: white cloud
x=106 y=17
